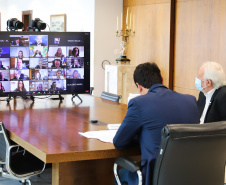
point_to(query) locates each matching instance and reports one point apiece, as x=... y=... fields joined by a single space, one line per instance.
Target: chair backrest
x=110 y=96
x=4 y=143
x=91 y=90
x=191 y=154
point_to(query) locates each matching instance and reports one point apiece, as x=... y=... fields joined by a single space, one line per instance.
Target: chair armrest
x=128 y=164
x=13 y=146
x=23 y=163
x=12 y=149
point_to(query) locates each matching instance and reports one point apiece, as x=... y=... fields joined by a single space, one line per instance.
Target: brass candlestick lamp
x=125 y=37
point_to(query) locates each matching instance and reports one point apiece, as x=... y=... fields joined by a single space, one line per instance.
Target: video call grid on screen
x=37 y=63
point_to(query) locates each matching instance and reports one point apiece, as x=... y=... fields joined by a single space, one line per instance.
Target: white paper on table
x=113 y=126
x=103 y=135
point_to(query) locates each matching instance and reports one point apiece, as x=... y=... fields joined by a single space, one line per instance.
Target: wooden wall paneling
x=218 y=27
x=26 y=18
x=143 y=2
x=200 y=37
x=192 y=43
x=151 y=42
x=183 y=90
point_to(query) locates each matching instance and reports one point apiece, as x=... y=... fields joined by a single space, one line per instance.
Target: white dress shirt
x=208 y=98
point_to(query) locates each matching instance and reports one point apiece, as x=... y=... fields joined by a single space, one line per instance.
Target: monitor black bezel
x=86 y=37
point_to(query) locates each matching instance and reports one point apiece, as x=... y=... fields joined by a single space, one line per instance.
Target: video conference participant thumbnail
x=4 y=75
x=76 y=62
x=4 y=87
x=4 y=63
x=57 y=85
x=59 y=40
x=38 y=63
x=19 y=86
x=38 y=51
x=38 y=40
x=16 y=74
x=38 y=86
x=19 y=40
x=19 y=63
x=56 y=62
x=57 y=51
x=56 y=74
x=75 y=51
x=19 y=52
x=38 y=74
x=4 y=52
x=74 y=73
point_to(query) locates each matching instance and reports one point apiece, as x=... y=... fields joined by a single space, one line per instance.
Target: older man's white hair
x=215 y=73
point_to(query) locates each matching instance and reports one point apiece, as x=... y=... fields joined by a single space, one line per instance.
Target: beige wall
x=105 y=41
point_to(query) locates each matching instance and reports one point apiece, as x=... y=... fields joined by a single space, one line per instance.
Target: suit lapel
x=211 y=102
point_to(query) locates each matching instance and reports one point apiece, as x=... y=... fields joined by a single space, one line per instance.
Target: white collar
x=210 y=93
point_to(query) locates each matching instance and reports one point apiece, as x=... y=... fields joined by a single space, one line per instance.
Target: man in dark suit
x=212 y=97
x=38 y=41
x=17 y=42
x=54 y=87
x=148 y=114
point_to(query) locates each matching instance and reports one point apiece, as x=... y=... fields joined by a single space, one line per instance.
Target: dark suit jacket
x=57 y=89
x=38 y=67
x=217 y=108
x=36 y=44
x=145 y=118
x=20 y=43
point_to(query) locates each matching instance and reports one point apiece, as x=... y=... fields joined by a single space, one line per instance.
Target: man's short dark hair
x=147 y=74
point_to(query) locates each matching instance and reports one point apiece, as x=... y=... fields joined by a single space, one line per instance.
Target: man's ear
x=209 y=83
x=140 y=88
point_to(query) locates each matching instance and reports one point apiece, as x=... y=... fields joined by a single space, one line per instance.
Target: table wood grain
x=49 y=129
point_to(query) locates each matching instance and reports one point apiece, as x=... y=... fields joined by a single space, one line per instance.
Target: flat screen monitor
x=44 y=63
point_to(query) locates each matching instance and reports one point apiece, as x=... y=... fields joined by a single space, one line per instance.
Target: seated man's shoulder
x=221 y=93
x=222 y=89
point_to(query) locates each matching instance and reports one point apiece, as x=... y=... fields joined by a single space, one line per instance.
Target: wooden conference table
x=49 y=130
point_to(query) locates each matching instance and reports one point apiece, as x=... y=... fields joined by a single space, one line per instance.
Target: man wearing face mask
x=212 y=98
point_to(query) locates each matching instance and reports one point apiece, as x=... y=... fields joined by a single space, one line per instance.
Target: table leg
x=83 y=172
x=225 y=176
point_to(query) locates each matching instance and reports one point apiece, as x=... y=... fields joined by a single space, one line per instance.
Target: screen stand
x=76 y=95
x=32 y=98
x=60 y=98
x=8 y=99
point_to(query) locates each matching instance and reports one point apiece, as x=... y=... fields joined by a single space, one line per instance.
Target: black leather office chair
x=189 y=155
x=110 y=96
x=15 y=162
